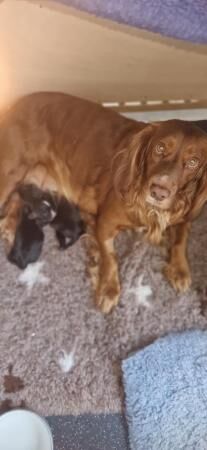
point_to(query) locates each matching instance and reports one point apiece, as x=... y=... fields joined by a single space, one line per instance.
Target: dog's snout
x=159 y=193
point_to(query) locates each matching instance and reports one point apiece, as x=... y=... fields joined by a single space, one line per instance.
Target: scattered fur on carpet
x=32 y=276
x=66 y=360
x=142 y=292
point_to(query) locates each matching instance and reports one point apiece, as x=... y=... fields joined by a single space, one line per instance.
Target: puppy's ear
x=128 y=164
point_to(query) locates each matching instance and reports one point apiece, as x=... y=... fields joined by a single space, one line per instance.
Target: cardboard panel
x=46 y=46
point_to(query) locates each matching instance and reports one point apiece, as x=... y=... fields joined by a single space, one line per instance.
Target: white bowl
x=24 y=430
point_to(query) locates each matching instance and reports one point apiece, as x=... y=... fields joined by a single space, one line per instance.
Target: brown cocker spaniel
x=121 y=173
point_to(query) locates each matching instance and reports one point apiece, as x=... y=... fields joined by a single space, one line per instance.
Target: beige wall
x=48 y=47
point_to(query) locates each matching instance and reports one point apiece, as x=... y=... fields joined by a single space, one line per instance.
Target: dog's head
x=163 y=167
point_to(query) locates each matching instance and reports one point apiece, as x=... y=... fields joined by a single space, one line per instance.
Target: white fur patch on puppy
x=67 y=360
x=32 y=276
x=142 y=292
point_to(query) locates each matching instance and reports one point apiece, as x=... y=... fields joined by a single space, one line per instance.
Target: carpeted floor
x=58 y=355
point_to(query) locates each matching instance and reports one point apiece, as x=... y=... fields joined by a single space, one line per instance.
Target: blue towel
x=166 y=393
x=182 y=19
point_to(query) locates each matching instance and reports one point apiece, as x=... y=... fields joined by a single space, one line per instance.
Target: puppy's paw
x=107 y=297
x=179 y=277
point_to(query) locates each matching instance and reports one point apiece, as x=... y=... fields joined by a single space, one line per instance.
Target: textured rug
x=60 y=356
x=162 y=382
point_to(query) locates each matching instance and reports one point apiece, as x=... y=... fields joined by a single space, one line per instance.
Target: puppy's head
x=28 y=241
x=42 y=205
x=67 y=224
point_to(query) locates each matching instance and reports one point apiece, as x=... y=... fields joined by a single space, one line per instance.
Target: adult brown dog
x=123 y=173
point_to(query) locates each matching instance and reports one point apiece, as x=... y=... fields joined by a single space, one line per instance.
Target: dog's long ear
x=200 y=197
x=128 y=164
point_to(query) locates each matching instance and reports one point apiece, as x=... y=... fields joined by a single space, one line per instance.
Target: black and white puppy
x=40 y=209
x=46 y=208
x=41 y=205
x=67 y=223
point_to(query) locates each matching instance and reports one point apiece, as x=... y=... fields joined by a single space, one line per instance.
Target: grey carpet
x=38 y=327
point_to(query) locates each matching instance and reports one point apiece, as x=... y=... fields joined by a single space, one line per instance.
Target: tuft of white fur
x=32 y=276
x=142 y=292
x=66 y=360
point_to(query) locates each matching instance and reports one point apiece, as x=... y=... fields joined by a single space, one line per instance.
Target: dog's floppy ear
x=128 y=164
x=200 y=197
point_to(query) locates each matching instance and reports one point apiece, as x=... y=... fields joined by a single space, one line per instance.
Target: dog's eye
x=160 y=148
x=192 y=163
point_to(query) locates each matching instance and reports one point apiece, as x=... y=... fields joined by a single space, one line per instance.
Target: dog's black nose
x=159 y=193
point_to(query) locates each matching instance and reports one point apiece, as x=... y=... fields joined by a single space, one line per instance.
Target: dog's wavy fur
x=98 y=160
x=128 y=165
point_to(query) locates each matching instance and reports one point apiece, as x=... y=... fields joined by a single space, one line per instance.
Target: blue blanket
x=182 y=19
x=166 y=394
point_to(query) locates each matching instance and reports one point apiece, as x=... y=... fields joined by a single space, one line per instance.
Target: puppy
x=28 y=241
x=33 y=209
x=39 y=209
x=41 y=205
x=67 y=223
x=46 y=208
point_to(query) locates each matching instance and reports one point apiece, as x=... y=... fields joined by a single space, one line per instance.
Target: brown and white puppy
x=124 y=173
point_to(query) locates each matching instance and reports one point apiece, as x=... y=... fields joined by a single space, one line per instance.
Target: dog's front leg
x=108 y=287
x=177 y=270
x=108 y=224
x=102 y=265
x=12 y=217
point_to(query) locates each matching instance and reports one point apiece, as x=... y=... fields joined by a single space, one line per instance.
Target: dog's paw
x=179 y=277
x=93 y=272
x=107 y=297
